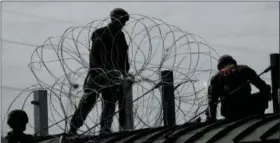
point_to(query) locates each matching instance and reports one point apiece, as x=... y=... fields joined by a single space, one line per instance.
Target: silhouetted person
x=108 y=60
x=241 y=103
x=17 y=120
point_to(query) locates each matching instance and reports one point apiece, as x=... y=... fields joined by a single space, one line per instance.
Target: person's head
x=17 y=120
x=226 y=60
x=119 y=17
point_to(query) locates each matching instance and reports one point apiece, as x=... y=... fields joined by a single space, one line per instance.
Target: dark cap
x=225 y=60
x=120 y=14
x=17 y=116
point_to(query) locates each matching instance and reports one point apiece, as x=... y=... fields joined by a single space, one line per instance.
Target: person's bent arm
x=213 y=96
x=95 y=57
x=258 y=82
x=125 y=60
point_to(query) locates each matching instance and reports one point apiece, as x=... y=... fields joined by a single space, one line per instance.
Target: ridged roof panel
x=250 y=129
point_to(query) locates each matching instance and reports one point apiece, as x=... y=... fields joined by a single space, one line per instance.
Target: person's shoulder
x=244 y=68
x=99 y=30
x=98 y=33
x=215 y=76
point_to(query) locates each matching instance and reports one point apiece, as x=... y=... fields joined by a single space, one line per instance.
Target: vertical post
x=126 y=114
x=278 y=98
x=3 y=140
x=168 y=98
x=274 y=61
x=41 y=112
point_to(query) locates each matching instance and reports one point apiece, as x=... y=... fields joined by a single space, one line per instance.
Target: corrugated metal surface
x=251 y=129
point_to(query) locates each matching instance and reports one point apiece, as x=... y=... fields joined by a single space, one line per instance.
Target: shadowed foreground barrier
x=255 y=129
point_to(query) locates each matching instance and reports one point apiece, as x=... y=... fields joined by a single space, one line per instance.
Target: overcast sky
x=249 y=31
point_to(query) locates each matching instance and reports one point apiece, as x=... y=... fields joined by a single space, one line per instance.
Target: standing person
x=241 y=103
x=108 y=60
x=17 y=120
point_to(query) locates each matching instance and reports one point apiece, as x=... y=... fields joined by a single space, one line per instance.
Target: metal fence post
x=168 y=98
x=274 y=61
x=41 y=112
x=126 y=114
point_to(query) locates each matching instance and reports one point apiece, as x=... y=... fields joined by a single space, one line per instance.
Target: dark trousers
x=110 y=96
x=255 y=104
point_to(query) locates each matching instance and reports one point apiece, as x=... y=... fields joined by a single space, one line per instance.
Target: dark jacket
x=227 y=80
x=109 y=49
x=22 y=138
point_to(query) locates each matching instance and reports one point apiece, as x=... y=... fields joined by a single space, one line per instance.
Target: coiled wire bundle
x=60 y=66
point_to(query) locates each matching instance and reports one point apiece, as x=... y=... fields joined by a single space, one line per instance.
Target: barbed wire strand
x=154 y=45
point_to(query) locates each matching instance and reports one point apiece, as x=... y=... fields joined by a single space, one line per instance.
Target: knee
x=89 y=98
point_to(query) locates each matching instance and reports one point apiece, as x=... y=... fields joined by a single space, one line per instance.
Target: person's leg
x=259 y=103
x=236 y=108
x=109 y=101
x=86 y=104
x=121 y=100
